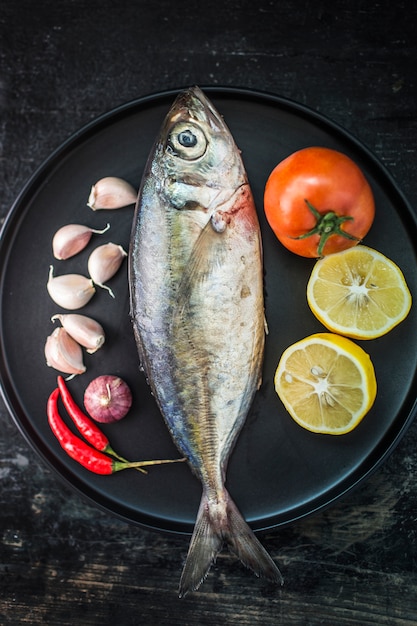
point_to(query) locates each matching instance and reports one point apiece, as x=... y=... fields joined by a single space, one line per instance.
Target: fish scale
x=196 y=284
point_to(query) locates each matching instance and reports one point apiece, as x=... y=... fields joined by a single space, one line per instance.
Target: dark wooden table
x=63 y=561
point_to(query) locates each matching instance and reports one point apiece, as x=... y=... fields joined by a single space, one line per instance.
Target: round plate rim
x=35 y=180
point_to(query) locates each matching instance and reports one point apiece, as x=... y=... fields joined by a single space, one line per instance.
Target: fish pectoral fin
x=210 y=532
x=208 y=253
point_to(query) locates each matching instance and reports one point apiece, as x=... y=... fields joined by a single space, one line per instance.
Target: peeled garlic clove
x=71 y=239
x=63 y=353
x=104 y=262
x=71 y=291
x=85 y=330
x=111 y=192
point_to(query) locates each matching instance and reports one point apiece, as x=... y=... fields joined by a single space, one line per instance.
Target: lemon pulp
x=326 y=382
x=358 y=292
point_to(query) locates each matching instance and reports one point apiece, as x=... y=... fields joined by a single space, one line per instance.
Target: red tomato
x=317 y=201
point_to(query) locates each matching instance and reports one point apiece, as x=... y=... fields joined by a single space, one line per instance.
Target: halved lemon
x=358 y=292
x=326 y=382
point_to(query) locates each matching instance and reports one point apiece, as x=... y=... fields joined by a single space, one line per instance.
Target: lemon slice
x=358 y=292
x=326 y=382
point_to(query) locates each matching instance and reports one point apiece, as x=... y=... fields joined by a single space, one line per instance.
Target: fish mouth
x=199 y=161
x=195 y=122
x=192 y=105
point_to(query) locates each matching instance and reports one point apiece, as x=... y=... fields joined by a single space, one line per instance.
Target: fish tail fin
x=206 y=542
x=242 y=541
x=218 y=524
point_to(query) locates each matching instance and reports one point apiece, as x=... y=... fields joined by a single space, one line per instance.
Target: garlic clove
x=63 y=353
x=70 y=291
x=83 y=329
x=71 y=239
x=111 y=192
x=104 y=262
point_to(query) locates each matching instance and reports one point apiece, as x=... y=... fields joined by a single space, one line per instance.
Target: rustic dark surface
x=63 y=561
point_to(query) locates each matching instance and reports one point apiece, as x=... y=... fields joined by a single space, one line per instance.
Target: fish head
x=196 y=161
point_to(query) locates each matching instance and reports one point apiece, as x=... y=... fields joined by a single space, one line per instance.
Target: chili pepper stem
x=109 y=450
x=120 y=465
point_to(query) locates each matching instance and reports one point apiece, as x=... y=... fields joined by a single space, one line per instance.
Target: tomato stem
x=327 y=224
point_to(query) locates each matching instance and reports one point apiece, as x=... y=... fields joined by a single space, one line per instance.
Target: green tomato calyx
x=327 y=224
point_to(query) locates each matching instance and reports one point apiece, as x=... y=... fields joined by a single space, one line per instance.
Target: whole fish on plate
x=196 y=283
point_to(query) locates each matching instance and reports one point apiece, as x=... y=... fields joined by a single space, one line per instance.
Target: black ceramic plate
x=278 y=472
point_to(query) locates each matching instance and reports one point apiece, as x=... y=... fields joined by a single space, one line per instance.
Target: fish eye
x=187 y=141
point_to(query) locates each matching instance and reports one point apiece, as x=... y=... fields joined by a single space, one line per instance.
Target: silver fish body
x=195 y=275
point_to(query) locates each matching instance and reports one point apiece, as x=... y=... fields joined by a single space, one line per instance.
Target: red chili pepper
x=85 y=425
x=77 y=449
